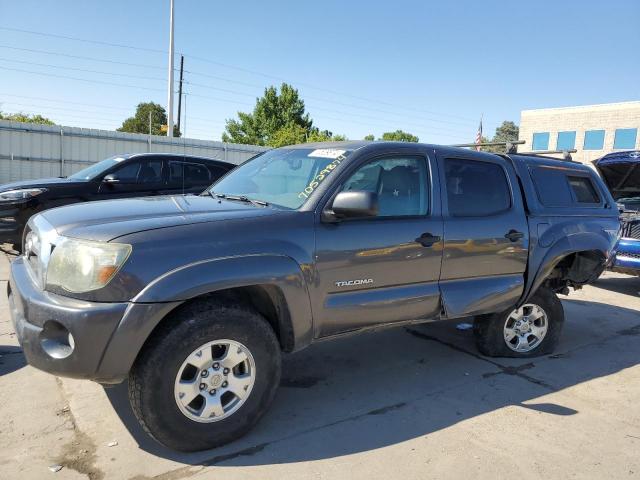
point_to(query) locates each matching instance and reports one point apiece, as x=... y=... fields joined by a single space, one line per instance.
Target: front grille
x=631 y=229
x=629 y=255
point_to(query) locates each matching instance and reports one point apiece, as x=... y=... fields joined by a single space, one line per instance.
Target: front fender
x=173 y=288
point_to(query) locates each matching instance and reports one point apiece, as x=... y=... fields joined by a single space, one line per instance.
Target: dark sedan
x=132 y=175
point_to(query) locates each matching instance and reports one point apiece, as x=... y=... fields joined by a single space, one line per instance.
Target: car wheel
x=528 y=331
x=206 y=376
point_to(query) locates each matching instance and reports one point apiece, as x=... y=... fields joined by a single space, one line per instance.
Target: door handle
x=513 y=235
x=427 y=240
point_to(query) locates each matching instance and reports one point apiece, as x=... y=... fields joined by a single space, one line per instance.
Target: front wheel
x=528 y=331
x=206 y=376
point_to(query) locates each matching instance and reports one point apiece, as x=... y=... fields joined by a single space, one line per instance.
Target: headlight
x=81 y=266
x=21 y=193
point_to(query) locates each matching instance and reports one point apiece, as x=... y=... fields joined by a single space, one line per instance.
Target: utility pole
x=180 y=89
x=170 y=86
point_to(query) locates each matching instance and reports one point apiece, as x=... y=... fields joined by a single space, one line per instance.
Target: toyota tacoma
x=193 y=299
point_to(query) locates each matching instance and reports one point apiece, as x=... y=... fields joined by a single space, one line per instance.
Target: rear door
x=486 y=234
x=382 y=269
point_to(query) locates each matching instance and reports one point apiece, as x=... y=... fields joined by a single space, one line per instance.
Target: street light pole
x=170 y=86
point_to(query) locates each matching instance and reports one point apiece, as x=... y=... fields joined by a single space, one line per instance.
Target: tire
x=491 y=331
x=153 y=380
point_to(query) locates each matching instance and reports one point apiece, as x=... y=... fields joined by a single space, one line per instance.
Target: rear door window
x=476 y=188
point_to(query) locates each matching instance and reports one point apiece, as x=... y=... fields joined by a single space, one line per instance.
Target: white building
x=593 y=130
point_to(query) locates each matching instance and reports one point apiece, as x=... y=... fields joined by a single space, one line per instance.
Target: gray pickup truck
x=194 y=298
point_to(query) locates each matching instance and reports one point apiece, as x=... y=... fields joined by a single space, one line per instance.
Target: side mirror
x=111 y=178
x=355 y=204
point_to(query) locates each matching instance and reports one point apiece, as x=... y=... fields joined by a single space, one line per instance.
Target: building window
x=594 y=140
x=566 y=141
x=625 y=138
x=541 y=141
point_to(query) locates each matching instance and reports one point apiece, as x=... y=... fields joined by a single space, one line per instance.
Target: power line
x=100 y=72
x=246 y=70
x=83 y=79
x=85 y=40
x=81 y=57
x=65 y=101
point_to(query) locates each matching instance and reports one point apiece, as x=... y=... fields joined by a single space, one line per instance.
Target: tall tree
x=370 y=137
x=273 y=112
x=139 y=123
x=26 y=118
x=399 y=136
x=508 y=131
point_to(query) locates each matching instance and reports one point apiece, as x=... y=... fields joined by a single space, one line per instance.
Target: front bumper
x=75 y=338
x=628 y=256
x=43 y=322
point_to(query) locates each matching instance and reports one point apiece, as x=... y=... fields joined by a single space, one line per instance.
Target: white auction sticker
x=326 y=153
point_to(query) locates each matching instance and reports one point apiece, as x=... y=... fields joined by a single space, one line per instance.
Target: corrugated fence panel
x=35 y=151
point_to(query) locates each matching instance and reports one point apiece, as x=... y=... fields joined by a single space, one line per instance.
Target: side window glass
x=150 y=172
x=584 y=190
x=196 y=174
x=476 y=188
x=400 y=182
x=175 y=173
x=129 y=172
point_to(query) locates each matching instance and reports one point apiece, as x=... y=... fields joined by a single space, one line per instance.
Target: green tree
x=26 y=118
x=506 y=132
x=288 y=135
x=276 y=116
x=316 y=135
x=399 y=136
x=139 y=123
x=370 y=137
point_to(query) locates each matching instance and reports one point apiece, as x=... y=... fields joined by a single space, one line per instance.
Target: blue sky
x=431 y=68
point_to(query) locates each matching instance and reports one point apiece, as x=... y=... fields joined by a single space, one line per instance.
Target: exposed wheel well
x=575 y=270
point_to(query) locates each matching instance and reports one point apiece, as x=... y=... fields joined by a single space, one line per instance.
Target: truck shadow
x=11 y=359
x=374 y=390
x=627 y=284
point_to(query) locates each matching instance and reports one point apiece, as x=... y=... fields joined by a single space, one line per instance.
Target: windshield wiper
x=240 y=198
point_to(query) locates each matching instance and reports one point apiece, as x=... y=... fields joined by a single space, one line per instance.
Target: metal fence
x=36 y=151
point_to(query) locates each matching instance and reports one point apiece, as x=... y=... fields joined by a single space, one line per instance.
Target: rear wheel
x=528 y=331
x=206 y=376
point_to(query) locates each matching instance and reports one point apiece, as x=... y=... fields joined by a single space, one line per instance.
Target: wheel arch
x=273 y=285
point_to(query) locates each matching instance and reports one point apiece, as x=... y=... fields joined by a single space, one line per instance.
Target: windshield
x=96 y=169
x=285 y=177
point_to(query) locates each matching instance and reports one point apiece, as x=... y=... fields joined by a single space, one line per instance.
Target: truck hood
x=110 y=219
x=621 y=173
x=39 y=183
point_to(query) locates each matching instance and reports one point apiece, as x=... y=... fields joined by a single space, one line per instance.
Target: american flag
x=479 y=136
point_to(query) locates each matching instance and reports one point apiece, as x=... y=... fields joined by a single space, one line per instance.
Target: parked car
x=193 y=299
x=132 y=175
x=621 y=173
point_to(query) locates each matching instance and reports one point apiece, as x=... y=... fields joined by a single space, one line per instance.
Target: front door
x=381 y=269
x=136 y=178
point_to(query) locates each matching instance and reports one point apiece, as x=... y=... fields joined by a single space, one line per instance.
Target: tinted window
x=566 y=141
x=150 y=172
x=400 y=182
x=594 y=140
x=540 y=141
x=129 y=172
x=625 y=138
x=555 y=187
x=584 y=190
x=194 y=174
x=476 y=188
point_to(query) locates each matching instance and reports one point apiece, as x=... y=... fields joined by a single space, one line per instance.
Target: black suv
x=194 y=298
x=132 y=175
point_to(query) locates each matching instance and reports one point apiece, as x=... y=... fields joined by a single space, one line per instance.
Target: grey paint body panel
x=333 y=277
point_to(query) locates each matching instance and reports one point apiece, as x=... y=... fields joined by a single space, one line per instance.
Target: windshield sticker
x=322 y=174
x=326 y=153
